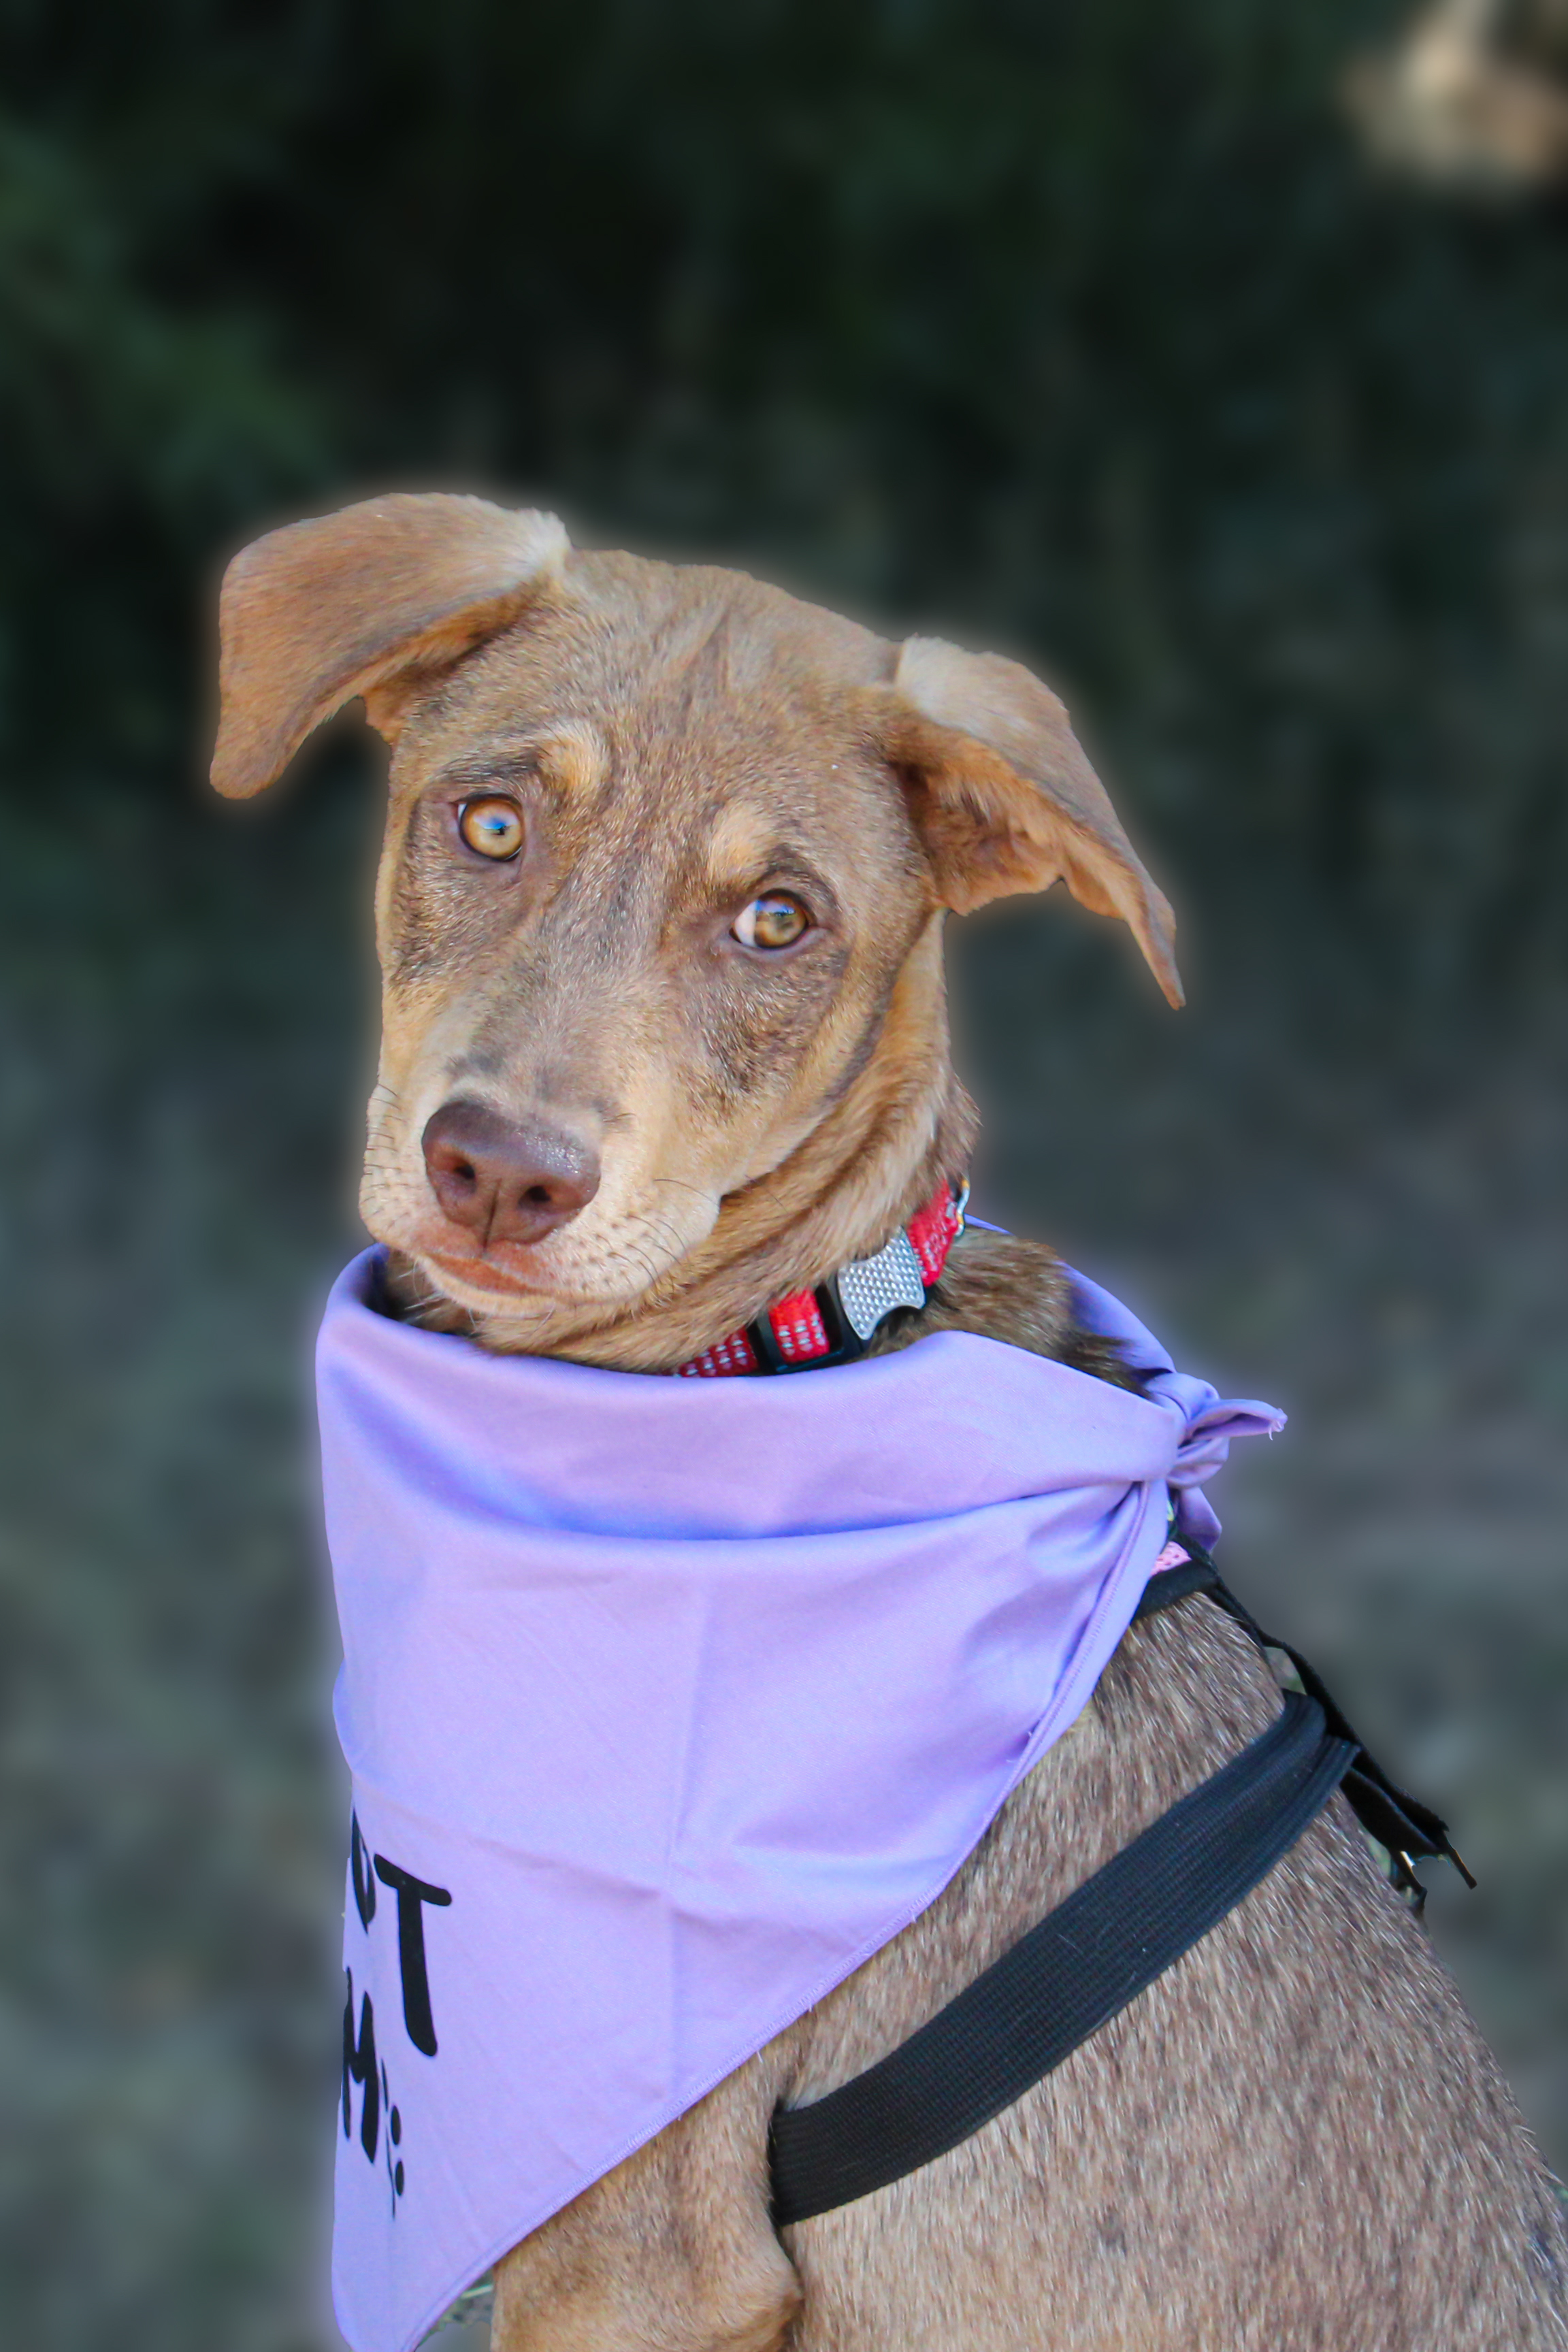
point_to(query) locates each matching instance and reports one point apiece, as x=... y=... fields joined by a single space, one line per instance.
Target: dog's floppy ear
x=325 y=610
x=1006 y=800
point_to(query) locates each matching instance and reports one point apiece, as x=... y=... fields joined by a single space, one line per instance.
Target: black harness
x=1113 y=1936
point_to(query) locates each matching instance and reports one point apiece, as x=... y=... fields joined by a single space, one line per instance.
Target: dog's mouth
x=478 y=1270
x=467 y=1274
x=572 y=1273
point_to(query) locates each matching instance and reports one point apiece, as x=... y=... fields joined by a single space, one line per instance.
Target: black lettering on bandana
x=360 y=1870
x=413 y=1894
x=360 y=2066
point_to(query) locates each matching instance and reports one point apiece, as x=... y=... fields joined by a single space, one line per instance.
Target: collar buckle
x=836 y=1321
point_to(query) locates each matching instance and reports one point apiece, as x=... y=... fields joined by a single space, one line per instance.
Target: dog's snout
x=505 y=1181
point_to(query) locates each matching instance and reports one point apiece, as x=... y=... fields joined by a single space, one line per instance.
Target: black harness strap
x=1111 y=1939
x=1084 y=1961
x=1409 y=1830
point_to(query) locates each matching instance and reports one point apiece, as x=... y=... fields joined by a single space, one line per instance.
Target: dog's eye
x=493 y=826
x=774 y=921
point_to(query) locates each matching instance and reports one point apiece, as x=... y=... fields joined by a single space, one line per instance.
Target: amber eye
x=493 y=826
x=774 y=921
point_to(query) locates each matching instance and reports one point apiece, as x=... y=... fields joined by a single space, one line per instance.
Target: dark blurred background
x=1114 y=336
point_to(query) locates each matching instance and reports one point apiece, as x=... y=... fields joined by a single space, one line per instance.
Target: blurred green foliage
x=1078 y=330
x=1082 y=328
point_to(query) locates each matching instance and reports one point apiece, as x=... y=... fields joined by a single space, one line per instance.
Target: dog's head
x=660 y=907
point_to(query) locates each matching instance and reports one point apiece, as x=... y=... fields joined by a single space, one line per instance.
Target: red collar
x=834 y=1323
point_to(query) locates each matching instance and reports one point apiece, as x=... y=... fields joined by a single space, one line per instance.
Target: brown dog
x=660 y=922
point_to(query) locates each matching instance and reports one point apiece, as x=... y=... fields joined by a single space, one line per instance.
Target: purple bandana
x=669 y=1702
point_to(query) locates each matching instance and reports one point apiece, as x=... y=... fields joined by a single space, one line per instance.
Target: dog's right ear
x=321 y=611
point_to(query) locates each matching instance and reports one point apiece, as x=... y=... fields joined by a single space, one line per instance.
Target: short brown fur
x=1296 y=2136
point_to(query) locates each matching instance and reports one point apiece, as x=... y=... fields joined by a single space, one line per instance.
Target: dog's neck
x=902 y=1127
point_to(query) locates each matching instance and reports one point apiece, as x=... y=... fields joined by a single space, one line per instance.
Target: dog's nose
x=507 y=1182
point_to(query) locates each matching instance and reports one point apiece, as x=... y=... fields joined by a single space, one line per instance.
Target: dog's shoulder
x=1017 y=1291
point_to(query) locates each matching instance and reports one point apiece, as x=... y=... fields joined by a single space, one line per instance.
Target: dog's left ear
x=1006 y=800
